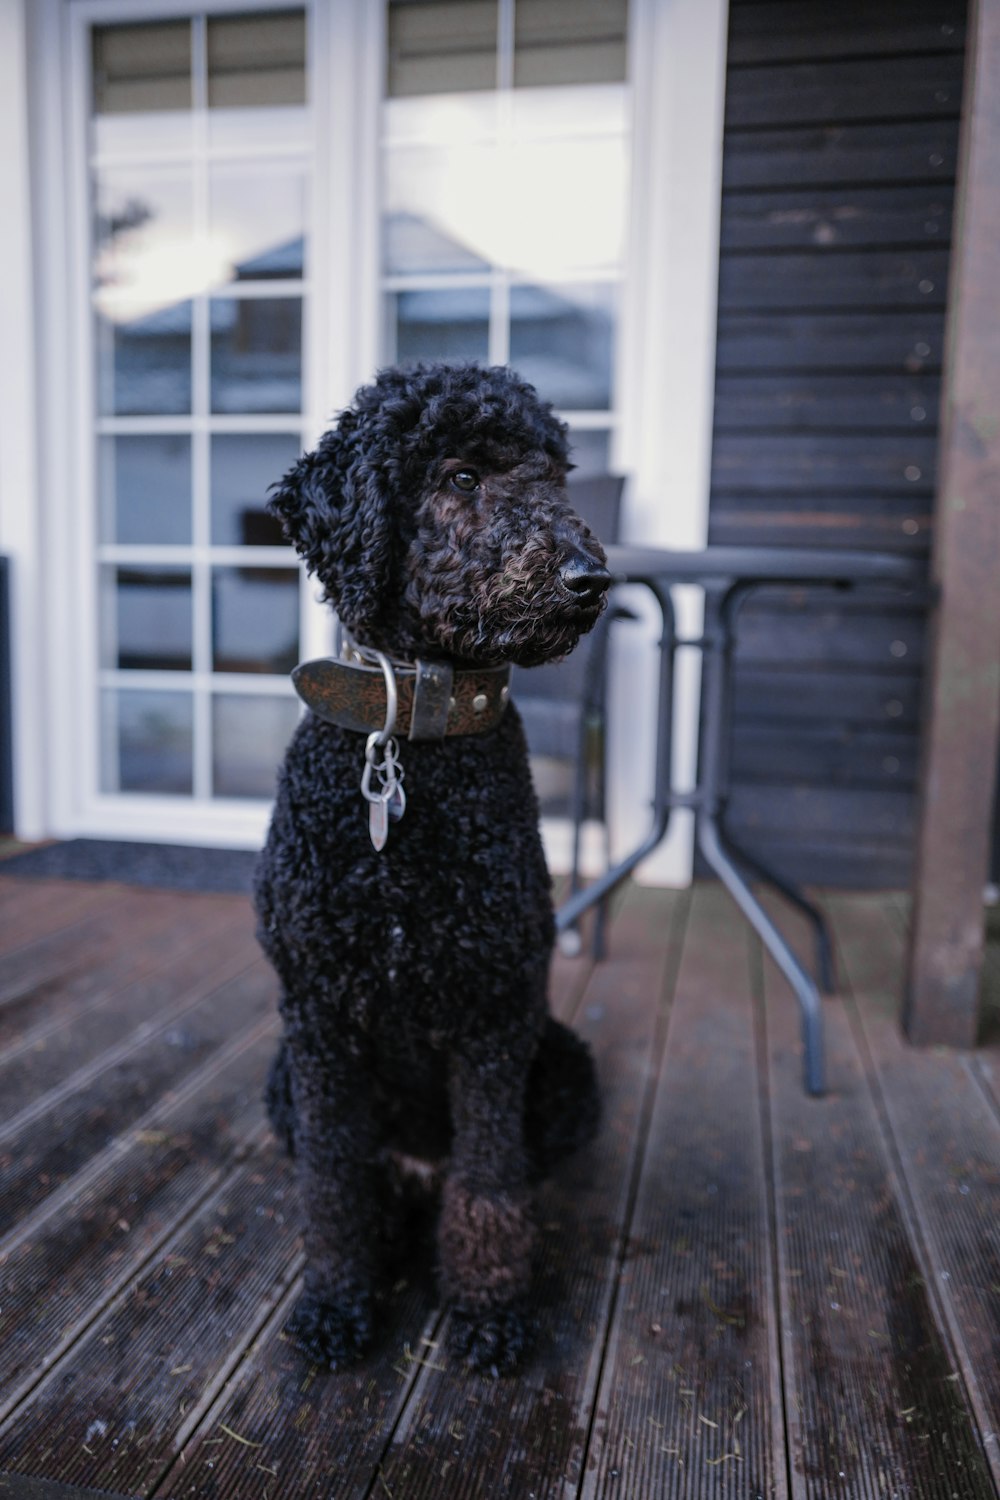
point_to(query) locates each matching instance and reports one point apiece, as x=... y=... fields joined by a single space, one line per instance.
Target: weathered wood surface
x=742 y=1292
x=962 y=741
x=875 y=1398
x=690 y=1392
x=865 y=28
x=945 y=1131
x=839 y=165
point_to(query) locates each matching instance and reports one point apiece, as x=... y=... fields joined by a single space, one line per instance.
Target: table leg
x=791 y=893
x=572 y=910
x=810 y=1004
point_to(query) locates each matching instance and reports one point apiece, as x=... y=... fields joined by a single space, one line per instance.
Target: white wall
x=20 y=522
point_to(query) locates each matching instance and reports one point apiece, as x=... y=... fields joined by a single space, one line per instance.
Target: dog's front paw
x=493 y=1342
x=334 y=1334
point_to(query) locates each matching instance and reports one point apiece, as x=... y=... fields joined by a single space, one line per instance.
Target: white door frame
x=667 y=381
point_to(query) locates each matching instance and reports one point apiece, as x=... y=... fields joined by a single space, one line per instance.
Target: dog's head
x=435 y=516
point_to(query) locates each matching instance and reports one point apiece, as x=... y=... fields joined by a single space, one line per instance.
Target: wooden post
x=963 y=690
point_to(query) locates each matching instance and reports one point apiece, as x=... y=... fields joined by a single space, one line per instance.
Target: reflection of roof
x=278 y=260
x=413 y=243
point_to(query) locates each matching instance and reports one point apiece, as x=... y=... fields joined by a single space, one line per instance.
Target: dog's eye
x=465 y=480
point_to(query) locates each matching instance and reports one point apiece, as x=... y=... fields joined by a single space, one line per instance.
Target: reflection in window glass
x=560 y=340
x=257 y=222
x=144 y=489
x=142 y=86
x=590 y=452
x=430 y=203
x=242 y=469
x=441 y=46
x=143 y=235
x=255 y=619
x=249 y=735
x=256 y=354
x=451 y=324
x=147 y=741
x=569 y=41
x=144 y=361
x=257 y=61
x=147 y=619
x=142 y=68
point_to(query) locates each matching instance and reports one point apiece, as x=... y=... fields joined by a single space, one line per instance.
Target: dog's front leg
x=487 y=1232
x=334 y=1148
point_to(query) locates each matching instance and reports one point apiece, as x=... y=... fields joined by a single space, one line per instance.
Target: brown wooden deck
x=744 y=1292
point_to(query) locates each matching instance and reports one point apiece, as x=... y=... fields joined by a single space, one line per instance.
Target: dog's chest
x=451 y=916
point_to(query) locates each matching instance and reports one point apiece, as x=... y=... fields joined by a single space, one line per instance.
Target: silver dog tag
x=378 y=823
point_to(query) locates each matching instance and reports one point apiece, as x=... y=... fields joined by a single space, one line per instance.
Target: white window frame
x=338 y=344
x=664 y=374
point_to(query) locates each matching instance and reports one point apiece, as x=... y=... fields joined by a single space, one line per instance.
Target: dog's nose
x=582 y=575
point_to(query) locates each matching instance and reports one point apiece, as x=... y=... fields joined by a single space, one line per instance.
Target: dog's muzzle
x=586 y=579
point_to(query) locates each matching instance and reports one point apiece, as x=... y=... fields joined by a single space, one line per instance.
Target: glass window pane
x=144 y=489
x=143 y=236
x=242 y=469
x=257 y=61
x=257 y=222
x=256 y=354
x=590 y=452
x=141 y=85
x=257 y=79
x=438 y=209
x=140 y=68
x=147 y=741
x=561 y=340
x=255 y=619
x=452 y=324
x=146 y=619
x=569 y=41
x=143 y=359
x=549 y=199
x=441 y=46
x=249 y=735
x=560 y=205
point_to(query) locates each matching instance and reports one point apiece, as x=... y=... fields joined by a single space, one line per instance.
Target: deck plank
x=20 y=1487
x=40 y=1155
x=875 y=1404
x=690 y=1399
x=55 y=977
x=947 y=1137
x=60 y=1266
x=534 y=1441
x=109 y=1415
x=33 y=909
x=58 y=1053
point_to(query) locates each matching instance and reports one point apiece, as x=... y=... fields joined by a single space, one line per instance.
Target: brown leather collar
x=435 y=699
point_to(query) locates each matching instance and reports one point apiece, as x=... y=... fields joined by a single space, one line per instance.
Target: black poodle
x=411 y=926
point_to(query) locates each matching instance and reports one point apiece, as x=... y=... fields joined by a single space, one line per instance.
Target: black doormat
x=174 y=866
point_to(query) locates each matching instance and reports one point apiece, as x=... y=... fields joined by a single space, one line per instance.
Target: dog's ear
x=333 y=506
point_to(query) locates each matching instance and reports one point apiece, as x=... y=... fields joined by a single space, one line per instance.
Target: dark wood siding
x=841 y=139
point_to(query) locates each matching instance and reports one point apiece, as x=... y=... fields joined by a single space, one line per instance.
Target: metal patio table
x=727 y=576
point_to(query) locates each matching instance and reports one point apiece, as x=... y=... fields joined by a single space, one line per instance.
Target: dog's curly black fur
x=414 y=980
